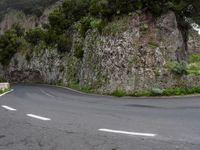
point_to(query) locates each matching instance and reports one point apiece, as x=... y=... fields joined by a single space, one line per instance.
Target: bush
x=75 y=9
x=108 y=8
x=153 y=45
x=195 y=58
x=9 y=44
x=78 y=51
x=100 y=8
x=178 y=68
x=18 y=29
x=64 y=43
x=56 y=18
x=87 y=23
x=119 y=93
x=78 y=86
x=35 y=36
x=181 y=91
x=50 y=37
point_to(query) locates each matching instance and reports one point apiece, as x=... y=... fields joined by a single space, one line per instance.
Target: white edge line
x=7 y=92
x=38 y=117
x=9 y=108
x=128 y=133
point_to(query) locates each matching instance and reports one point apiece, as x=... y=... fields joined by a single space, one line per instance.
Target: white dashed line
x=128 y=133
x=38 y=117
x=6 y=92
x=9 y=108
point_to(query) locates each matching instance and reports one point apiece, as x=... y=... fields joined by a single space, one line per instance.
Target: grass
x=4 y=90
x=118 y=25
x=194 y=64
x=78 y=87
x=176 y=91
x=118 y=93
x=153 y=45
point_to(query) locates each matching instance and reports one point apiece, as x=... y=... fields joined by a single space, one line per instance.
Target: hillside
x=35 y=7
x=103 y=46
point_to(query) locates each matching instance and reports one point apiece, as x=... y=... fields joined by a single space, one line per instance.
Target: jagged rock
x=133 y=58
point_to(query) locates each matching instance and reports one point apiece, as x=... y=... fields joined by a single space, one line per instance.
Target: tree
x=34 y=36
x=9 y=44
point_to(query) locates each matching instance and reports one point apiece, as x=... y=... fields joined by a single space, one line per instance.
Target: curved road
x=38 y=117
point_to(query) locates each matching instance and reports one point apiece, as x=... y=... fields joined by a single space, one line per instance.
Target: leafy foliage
x=9 y=44
x=83 y=15
x=78 y=51
x=34 y=36
x=64 y=43
x=178 y=68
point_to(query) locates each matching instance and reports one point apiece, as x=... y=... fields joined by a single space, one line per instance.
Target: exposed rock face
x=132 y=59
x=25 y=21
x=194 y=42
x=17 y=17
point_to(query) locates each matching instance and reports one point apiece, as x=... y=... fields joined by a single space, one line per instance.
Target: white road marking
x=38 y=117
x=9 y=108
x=6 y=92
x=128 y=133
x=47 y=94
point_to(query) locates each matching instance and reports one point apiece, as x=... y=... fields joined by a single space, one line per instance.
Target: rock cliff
x=131 y=54
x=25 y=21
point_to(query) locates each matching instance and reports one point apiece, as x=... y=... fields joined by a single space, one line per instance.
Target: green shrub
x=50 y=37
x=117 y=25
x=87 y=23
x=177 y=68
x=119 y=93
x=64 y=43
x=181 y=91
x=83 y=25
x=78 y=51
x=108 y=8
x=56 y=20
x=18 y=29
x=195 y=58
x=4 y=90
x=153 y=45
x=35 y=36
x=79 y=87
x=9 y=45
x=75 y=9
x=2 y=80
x=193 y=68
x=98 y=24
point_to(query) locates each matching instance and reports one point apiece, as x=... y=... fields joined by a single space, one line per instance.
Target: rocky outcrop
x=130 y=54
x=25 y=21
x=194 y=42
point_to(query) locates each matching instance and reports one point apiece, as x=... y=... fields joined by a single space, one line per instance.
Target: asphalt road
x=41 y=117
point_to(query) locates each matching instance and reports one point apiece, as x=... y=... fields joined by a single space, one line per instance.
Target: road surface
x=38 y=117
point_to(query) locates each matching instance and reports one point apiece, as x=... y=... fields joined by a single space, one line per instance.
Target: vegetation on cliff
x=35 y=7
x=104 y=17
x=82 y=15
